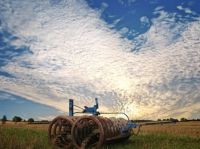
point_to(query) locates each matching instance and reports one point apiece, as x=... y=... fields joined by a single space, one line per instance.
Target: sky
x=136 y=56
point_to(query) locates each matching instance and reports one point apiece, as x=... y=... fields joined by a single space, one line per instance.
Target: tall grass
x=23 y=138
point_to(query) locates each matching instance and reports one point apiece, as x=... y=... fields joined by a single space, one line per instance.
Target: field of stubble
x=182 y=135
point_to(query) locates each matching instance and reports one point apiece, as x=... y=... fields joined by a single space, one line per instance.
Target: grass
x=23 y=136
x=158 y=141
x=179 y=129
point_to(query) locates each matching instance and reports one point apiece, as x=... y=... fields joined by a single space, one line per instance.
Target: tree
x=30 y=120
x=4 y=119
x=183 y=119
x=17 y=119
x=173 y=120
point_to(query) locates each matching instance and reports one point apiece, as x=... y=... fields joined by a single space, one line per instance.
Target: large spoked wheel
x=87 y=133
x=60 y=132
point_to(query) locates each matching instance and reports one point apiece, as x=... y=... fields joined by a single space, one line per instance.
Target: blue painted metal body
x=130 y=125
x=93 y=110
x=71 y=107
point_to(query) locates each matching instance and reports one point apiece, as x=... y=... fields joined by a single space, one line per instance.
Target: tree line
x=31 y=120
x=177 y=120
x=16 y=119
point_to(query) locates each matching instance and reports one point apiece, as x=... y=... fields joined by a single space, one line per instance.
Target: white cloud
x=116 y=21
x=186 y=10
x=159 y=8
x=124 y=30
x=104 y=5
x=145 y=21
x=179 y=7
x=164 y=31
x=175 y=64
x=76 y=55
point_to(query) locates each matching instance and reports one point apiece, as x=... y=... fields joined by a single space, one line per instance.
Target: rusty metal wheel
x=87 y=133
x=60 y=132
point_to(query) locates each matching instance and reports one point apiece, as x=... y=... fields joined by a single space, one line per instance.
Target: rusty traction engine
x=88 y=131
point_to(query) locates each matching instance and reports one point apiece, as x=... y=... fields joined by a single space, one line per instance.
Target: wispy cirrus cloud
x=75 y=54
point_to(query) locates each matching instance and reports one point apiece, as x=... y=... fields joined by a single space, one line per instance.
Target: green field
x=29 y=138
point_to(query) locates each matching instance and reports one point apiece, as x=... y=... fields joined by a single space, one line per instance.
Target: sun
x=123 y=84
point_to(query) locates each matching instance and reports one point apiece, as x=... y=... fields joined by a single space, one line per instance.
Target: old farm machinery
x=89 y=131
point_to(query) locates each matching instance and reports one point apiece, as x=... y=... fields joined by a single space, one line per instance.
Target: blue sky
x=12 y=105
x=137 y=56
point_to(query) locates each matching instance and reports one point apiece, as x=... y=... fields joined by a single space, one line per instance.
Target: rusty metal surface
x=86 y=132
x=60 y=131
x=93 y=131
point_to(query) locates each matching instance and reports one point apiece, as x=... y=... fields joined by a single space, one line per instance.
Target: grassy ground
x=158 y=141
x=23 y=136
